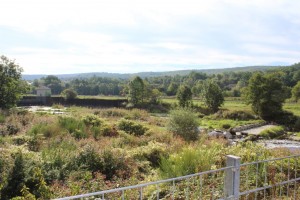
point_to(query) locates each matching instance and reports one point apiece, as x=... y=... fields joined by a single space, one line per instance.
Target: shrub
x=69 y=94
x=35 y=143
x=235 y=115
x=137 y=114
x=191 y=160
x=297 y=124
x=106 y=162
x=20 y=140
x=48 y=130
x=183 y=122
x=12 y=129
x=75 y=127
x=132 y=127
x=271 y=133
x=92 y=120
x=152 y=152
x=2 y=118
x=111 y=112
x=226 y=126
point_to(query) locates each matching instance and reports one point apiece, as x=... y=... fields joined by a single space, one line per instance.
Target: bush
x=75 y=127
x=235 y=115
x=272 y=133
x=287 y=119
x=226 y=126
x=92 y=120
x=183 y=122
x=69 y=94
x=2 y=118
x=191 y=160
x=12 y=129
x=137 y=114
x=132 y=127
x=106 y=162
x=111 y=112
x=104 y=130
x=35 y=143
x=153 y=152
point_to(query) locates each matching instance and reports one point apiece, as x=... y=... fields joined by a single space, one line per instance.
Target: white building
x=43 y=91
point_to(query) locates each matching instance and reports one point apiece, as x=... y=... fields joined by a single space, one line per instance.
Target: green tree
x=11 y=84
x=184 y=96
x=212 y=95
x=266 y=94
x=154 y=96
x=184 y=122
x=54 y=83
x=136 y=91
x=296 y=91
x=69 y=94
x=172 y=88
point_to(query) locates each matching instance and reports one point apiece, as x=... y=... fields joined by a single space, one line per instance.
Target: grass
x=63 y=147
x=224 y=123
x=100 y=97
x=272 y=133
x=292 y=107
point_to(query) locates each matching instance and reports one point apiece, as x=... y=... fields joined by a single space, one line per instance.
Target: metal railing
x=266 y=179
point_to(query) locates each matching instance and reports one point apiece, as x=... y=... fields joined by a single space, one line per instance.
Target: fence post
x=232 y=177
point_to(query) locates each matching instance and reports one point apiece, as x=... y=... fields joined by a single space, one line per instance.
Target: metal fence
x=267 y=179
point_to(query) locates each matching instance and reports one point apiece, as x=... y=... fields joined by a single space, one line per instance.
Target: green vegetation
x=69 y=94
x=47 y=156
x=184 y=123
x=266 y=95
x=296 y=92
x=273 y=133
x=88 y=150
x=212 y=95
x=11 y=85
x=184 y=96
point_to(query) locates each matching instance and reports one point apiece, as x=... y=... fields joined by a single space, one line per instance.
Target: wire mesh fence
x=267 y=179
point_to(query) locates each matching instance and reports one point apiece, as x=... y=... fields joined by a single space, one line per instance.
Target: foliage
x=132 y=127
x=266 y=94
x=136 y=91
x=296 y=91
x=16 y=179
x=212 y=95
x=272 y=133
x=69 y=94
x=106 y=162
x=75 y=127
x=11 y=83
x=236 y=115
x=184 y=96
x=54 y=83
x=92 y=120
x=183 y=122
x=191 y=160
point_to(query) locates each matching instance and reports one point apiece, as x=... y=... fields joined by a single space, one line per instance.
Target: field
x=86 y=150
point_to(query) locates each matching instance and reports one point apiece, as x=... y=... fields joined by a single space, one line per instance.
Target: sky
x=118 y=36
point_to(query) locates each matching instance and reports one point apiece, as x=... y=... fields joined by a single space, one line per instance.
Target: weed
x=132 y=127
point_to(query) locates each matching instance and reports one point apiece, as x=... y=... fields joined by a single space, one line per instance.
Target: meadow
x=92 y=149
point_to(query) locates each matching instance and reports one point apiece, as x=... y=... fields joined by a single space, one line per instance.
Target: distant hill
x=151 y=74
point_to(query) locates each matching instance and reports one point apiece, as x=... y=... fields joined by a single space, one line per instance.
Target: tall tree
x=54 y=83
x=184 y=96
x=11 y=84
x=296 y=91
x=136 y=91
x=266 y=94
x=212 y=95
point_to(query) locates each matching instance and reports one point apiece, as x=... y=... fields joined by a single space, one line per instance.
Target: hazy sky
x=71 y=36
